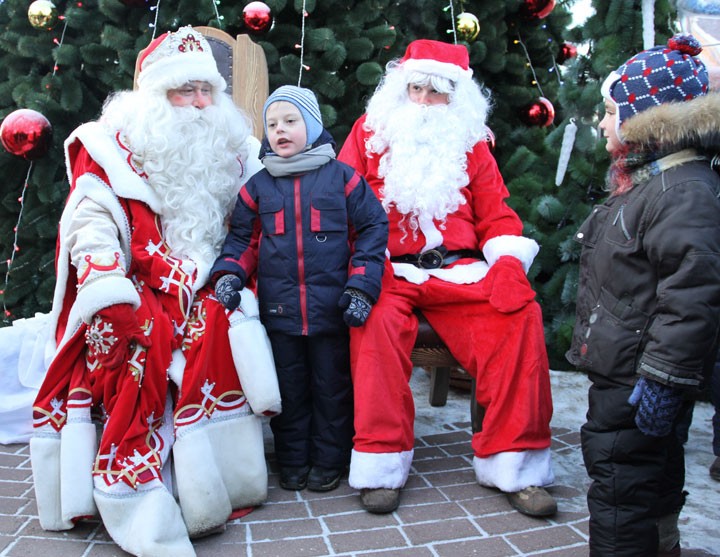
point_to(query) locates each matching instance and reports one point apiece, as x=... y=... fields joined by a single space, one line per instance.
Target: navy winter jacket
x=309 y=237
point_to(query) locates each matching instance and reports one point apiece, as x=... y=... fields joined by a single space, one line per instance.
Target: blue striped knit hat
x=306 y=103
x=655 y=76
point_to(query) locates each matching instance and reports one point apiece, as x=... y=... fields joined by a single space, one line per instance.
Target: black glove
x=227 y=291
x=357 y=306
x=657 y=406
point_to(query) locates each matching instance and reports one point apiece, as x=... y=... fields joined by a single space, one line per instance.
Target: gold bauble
x=468 y=26
x=42 y=14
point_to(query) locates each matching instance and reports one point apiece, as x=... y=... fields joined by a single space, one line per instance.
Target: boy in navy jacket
x=314 y=234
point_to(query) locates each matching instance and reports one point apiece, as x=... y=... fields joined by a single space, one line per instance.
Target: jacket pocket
x=272 y=215
x=328 y=214
x=613 y=338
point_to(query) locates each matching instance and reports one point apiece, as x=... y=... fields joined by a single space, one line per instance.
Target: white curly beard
x=424 y=167
x=199 y=195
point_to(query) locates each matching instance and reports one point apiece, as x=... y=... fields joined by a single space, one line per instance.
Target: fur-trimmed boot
x=145 y=523
x=45 y=459
x=219 y=467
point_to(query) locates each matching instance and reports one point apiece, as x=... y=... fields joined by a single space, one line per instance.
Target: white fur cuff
x=523 y=248
x=103 y=293
x=514 y=471
x=376 y=470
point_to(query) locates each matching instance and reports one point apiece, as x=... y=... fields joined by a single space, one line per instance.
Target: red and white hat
x=437 y=58
x=173 y=59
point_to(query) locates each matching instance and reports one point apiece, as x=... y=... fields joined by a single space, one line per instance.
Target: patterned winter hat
x=659 y=75
x=173 y=59
x=305 y=101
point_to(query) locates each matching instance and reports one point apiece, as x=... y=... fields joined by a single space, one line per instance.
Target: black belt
x=436 y=258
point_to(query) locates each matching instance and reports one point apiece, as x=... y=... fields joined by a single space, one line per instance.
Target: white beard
x=423 y=162
x=197 y=196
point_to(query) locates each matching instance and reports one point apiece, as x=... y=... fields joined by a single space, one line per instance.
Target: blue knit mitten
x=357 y=306
x=227 y=291
x=657 y=406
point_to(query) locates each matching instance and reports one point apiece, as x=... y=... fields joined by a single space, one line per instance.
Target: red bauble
x=540 y=113
x=536 y=9
x=567 y=51
x=257 y=17
x=26 y=133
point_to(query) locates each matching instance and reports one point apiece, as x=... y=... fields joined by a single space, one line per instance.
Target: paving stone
x=443 y=464
x=483 y=547
x=278 y=530
x=356 y=541
x=431 y=532
x=305 y=547
x=409 y=514
x=33 y=547
x=363 y=520
x=545 y=538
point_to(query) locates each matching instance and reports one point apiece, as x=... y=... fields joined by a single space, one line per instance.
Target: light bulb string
x=15 y=247
x=302 y=44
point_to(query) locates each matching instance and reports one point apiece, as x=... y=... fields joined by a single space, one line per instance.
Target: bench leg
x=477 y=412
x=439 y=386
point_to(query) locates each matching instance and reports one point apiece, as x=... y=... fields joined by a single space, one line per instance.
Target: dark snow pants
x=636 y=478
x=315 y=426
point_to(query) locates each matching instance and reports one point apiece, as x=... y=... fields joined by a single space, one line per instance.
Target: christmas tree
x=62 y=61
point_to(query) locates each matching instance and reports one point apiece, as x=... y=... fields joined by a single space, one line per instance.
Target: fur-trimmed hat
x=174 y=59
x=437 y=58
x=662 y=74
x=305 y=101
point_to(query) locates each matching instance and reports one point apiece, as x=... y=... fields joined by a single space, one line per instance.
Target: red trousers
x=504 y=351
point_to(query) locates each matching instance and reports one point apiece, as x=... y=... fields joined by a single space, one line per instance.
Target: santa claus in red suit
x=457 y=255
x=144 y=354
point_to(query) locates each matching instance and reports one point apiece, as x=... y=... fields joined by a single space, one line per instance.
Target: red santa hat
x=437 y=58
x=173 y=59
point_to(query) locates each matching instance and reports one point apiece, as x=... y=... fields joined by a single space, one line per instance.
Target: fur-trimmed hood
x=676 y=126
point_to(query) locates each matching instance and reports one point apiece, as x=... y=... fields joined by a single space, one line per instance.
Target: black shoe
x=324 y=479
x=294 y=478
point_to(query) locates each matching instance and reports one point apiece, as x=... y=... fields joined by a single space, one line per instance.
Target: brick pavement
x=443 y=513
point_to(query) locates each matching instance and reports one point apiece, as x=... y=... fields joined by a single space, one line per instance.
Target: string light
x=302 y=44
x=62 y=39
x=535 y=81
x=15 y=247
x=153 y=25
x=452 y=19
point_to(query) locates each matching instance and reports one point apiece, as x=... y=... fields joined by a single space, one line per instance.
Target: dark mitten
x=227 y=291
x=112 y=333
x=506 y=285
x=357 y=306
x=657 y=406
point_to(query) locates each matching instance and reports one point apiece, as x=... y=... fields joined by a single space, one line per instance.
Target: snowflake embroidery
x=99 y=336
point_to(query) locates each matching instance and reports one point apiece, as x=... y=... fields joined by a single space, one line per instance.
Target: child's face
x=425 y=94
x=286 y=130
x=607 y=125
x=193 y=93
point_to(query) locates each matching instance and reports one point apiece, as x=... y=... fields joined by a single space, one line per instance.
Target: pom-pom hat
x=173 y=59
x=305 y=101
x=437 y=58
x=662 y=74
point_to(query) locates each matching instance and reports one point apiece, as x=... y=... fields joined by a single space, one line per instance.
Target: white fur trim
x=514 y=471
x=253 y=164
x=176 y=371
x=452 y=72
x=104 y=150
x=103 y=293
x=172 y=72
x=525 y=249
x=77 y=456
x=433 y=237
x=253 y=357
x=376 y=470
x=219 y=467
x=145 y=523
x=458 y=274
x=45 y=459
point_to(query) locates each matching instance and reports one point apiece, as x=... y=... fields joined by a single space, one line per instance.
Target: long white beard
x=423 y=163
x=199 y=195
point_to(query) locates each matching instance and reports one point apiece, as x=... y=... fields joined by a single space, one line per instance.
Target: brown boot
x=533 y=501
x=715 y=469
x=380 y=500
